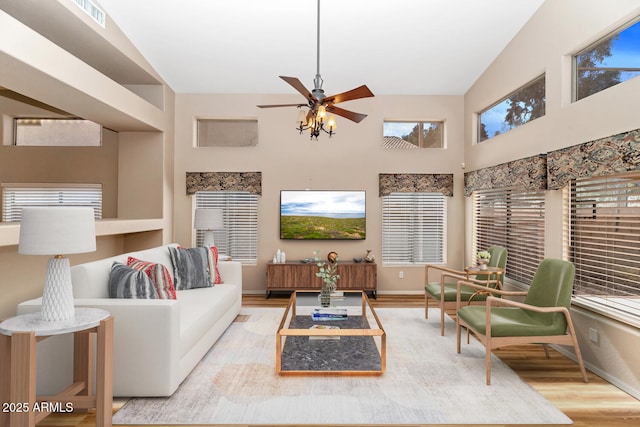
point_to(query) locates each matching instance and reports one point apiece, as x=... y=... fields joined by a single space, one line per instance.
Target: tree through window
x=519 y=107
x=609 y=62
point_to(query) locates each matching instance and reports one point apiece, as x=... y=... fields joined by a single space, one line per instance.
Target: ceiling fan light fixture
x=302 y=118
x=315 y=123
x=322 y=113
x=315 y=119
x=331 y=124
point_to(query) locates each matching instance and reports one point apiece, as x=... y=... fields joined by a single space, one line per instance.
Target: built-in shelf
x=10 y=232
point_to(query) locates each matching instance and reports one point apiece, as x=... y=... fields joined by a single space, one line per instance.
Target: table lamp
x=57 y=231
x=208 y=219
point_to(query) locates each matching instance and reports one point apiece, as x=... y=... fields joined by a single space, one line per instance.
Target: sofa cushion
x=127 y=282
x=200 y=309
x=190 y=268
x=159 y=275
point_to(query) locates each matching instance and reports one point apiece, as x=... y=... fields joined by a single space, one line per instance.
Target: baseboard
x=400 y=292
x=599 y=372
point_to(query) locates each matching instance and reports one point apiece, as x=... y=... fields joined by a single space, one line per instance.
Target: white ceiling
x=399 y=47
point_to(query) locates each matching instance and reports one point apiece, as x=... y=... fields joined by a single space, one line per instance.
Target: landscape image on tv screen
x=322 y=215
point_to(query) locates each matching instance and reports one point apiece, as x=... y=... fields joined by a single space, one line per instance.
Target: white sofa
x=156 y=342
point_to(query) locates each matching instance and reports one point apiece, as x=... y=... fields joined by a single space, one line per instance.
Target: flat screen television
x=322 y=215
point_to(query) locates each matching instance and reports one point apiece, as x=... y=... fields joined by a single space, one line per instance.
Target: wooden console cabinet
x=296 y=275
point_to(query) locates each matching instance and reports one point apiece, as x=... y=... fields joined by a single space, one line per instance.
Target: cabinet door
x=357 y=276
x=291 y=276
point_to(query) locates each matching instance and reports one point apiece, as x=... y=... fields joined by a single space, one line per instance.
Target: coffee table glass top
x=355 y=345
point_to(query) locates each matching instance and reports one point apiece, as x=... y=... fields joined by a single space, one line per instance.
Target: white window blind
x=239 y=238
x=513 y=219
x=604 y=243
x=414 y=228
x=17 y=196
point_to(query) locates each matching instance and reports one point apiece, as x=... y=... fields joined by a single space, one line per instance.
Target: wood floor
x=595 y=404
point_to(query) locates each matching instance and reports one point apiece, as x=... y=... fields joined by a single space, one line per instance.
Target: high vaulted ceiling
x=399 y=47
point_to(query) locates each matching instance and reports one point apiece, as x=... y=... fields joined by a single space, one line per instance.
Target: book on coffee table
x=329 y=314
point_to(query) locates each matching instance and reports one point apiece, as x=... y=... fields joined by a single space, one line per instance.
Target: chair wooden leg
x=546 y=350
x=426 y=305
x=488 y=360
x=458 y=331
x=576 y=347
x=441 y=318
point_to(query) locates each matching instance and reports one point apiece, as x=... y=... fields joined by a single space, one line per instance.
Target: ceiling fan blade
x=281 y=105
x=357 y=93
x=297 y=85
x=355 y=117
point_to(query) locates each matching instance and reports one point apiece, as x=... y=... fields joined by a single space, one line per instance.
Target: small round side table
x=494 y=275
x=18 y=338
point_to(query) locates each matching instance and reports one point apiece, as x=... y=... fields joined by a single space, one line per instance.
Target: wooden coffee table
x=358 y=347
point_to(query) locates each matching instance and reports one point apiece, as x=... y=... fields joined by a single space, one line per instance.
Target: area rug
x=426 y=382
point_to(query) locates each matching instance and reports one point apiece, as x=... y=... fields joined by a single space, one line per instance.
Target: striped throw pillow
x=190 y=268
x=126 y=282
x=158 y=274
x=213 y=266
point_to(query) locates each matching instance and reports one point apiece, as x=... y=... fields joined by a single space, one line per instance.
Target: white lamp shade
x=57 y=230
x=208 y=219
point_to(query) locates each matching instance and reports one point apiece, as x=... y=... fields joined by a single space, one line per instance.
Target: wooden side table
x=494 y=275
x=18 y=337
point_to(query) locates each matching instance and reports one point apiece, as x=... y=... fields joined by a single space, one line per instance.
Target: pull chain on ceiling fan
x=315 y=119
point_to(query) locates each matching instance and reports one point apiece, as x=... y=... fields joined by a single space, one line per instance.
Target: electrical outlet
x=594 y=336
x=401 y=274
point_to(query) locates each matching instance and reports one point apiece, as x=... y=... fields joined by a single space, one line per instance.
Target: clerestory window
x=610 y=61
x=420 y=134
x=519 y=107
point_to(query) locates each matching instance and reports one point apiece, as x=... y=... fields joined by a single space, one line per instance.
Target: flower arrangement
x=329 y=276
x=483 y=259
x=328 y=272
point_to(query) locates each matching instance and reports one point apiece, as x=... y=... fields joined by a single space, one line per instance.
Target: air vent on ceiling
x=91 y=9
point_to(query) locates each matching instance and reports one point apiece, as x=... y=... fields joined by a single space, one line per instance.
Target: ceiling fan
x=319 y=104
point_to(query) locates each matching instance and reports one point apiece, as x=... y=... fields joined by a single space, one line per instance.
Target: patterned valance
x=529 y=174
x=224 y=181
x=416 y=183
x=606 y=156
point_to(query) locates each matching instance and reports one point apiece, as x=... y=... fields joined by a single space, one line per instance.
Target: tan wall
x=34 y=66
x=546 y=44
x=23 y=276
x=94 y=165
x=352 y=159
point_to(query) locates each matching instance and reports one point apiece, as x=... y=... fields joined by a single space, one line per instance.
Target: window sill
x=624 y=310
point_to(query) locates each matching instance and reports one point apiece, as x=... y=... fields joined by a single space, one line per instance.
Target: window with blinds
x=603 y=231
x=513 y=219
x=239 y=238
x=17 y=196
x=414 y=228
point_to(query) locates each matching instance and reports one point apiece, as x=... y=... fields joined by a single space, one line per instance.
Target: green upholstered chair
x=543 y=317
x=443 y=291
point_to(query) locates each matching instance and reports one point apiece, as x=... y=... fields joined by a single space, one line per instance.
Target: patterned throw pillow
x=126 y=282
x=190 y=268
x=213 y=266
x=158 y=274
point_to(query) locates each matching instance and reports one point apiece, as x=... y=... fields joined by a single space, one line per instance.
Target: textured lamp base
x=57 y=298
x=207 y=240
